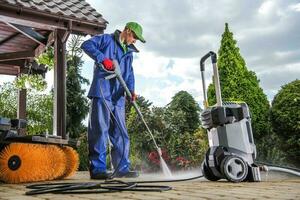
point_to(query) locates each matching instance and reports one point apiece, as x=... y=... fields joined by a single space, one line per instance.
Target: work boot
x=100 y=175
x=129 y=174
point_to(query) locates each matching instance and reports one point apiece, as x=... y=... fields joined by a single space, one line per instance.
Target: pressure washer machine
x=232 y=151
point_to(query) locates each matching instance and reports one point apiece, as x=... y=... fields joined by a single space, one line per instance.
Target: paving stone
x=197 y=189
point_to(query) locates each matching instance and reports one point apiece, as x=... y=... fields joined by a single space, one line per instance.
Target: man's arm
x=93 y=47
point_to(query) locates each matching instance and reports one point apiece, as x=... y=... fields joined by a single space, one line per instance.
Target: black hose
x=114 y=185
x=102 y=187
x=280 y=166
x=121 y=130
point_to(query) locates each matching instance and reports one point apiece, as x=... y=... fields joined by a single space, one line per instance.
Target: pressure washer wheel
x=234 y=168
x=207 y=173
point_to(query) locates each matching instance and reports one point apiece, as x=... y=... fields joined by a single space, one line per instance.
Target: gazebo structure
x=28 y=27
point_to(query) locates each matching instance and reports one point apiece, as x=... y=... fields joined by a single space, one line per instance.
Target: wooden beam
x=9 y=70
x=9 y=38
x=59 y=121
x=16 y=55
x=10 y=63
x=30 y=33
x=41 y=48
x=83 y=29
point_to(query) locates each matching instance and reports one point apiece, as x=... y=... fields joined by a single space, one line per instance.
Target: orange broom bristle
x=22 y=162
x=58 y=160
x=33 y=163
x=72 y=162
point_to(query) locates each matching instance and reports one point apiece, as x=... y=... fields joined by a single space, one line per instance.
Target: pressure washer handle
x=213 y=56
x=117 y=73
x=112 y=74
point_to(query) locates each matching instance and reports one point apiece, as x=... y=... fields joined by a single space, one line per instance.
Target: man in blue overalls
x=108 y=96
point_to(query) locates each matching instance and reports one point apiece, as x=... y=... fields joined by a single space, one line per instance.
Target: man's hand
x=133 y=96
x=108 y=64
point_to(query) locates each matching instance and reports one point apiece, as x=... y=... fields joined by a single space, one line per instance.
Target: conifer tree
x=240 y=84
x=77 y=103
x=183 y=113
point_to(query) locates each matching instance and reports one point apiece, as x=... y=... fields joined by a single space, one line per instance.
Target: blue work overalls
x=108 y=93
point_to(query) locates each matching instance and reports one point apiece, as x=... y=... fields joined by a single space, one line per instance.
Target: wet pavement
x=275 y=185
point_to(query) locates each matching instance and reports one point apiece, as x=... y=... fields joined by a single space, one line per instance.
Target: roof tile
x=37 y=2
x=69 y=3
x=51 y=4
x=77 y=9
x=23 y=3
x=11 y=1
x=38 y=7
x=62 y=6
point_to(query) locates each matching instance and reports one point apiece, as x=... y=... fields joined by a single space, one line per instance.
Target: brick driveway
x=275 y=186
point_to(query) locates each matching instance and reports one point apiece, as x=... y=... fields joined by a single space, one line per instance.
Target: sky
x=179 y=33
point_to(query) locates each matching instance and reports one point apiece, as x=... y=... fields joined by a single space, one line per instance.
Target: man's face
x=130 y=37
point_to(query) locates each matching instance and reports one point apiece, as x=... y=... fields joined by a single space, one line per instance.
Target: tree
x=40 y=113
x=77 y=103
x=47 y=58
x=285 y=118
x=8 y=100
x=175 y=129
x=182 y=113
x=182 y=123
x=240 y=84
x=140 y=139
x=39 y=108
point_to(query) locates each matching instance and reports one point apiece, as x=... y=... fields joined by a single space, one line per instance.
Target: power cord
x=122 y=134
x=102 y=187
x=272 y=167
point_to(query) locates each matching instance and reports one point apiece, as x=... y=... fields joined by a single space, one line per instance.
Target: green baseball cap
x=137 y=29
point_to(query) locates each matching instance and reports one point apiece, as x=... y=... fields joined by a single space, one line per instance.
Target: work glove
x=133 y=96
x=108 y=64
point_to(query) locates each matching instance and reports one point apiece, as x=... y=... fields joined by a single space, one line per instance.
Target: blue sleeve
x=130 y=80
x=93 y=47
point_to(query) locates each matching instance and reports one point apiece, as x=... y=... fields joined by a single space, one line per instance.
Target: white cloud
x=159 y=83
x=295 y=7
x=179 y=33
x=161 y=96
x=266 y=8
x=150 y=66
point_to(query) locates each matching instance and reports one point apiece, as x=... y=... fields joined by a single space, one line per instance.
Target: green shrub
x=83 y=153
x=285 y=118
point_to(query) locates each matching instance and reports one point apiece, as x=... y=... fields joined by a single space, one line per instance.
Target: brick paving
x=275 y=186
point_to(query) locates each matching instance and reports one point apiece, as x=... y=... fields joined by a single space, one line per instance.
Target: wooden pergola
x=27 y=28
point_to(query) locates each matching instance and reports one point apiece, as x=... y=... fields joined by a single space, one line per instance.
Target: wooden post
x=21 y=114
x=59 y=121
x=21 y=108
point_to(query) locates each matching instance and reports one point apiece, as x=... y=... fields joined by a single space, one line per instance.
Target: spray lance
x=117 y=74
